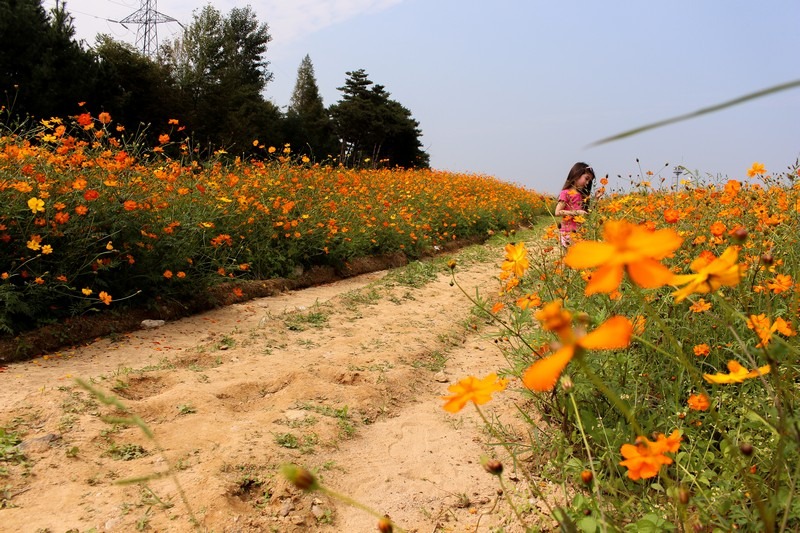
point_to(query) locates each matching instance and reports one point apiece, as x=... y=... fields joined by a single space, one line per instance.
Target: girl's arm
x=562 y=211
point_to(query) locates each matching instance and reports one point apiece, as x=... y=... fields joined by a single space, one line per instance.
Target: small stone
x=441 y=377
x=317 y=511
x=151 y=324
x=286 y=507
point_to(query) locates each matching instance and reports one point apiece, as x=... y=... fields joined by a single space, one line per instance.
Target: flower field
x=659 y=358
x=91 y=219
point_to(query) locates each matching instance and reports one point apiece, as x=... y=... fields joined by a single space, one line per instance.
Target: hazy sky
x=518 y=89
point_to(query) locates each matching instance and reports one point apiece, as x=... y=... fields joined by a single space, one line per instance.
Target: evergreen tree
x=373 y=129
x=44 y=72
x=308 y=126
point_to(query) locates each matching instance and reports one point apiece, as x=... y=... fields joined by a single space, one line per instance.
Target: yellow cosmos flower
x=543 y=374
x=516 y=259
x=36 y=205
x=756 y=170
x=737 y=374
x=625 y=247
x=472 y=389
x=709 y=275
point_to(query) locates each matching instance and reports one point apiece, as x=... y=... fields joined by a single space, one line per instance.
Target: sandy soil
x=344 y=378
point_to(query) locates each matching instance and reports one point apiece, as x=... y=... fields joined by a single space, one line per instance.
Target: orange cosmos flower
x=163 y=138
x=737 y=374
x=168 y=274
x=781 y=283
x=104 y=118
x=516 y=259
x=755 y=170
x=699 y=306
x=529 y=301
x=698 y=402
x=761 y=325
x=718 y=229
x=472 y=389
x=104 y=297
x=709 y=275
x=672 y=215
x=644 y=457
x=613 y=333
x=701 y=350
x=628 y=247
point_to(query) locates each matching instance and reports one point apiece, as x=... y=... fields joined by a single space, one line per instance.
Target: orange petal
x=542 y=375
x=657 y=244
x=649 y=273
x=613 y=333
x=604 y=280
x=588 y=254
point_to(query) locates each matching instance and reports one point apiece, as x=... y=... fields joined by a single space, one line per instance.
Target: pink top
x=572 y=202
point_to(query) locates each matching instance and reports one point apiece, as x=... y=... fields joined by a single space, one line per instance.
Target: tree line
x=212 y=78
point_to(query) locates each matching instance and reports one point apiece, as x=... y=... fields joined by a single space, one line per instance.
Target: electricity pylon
x=148 y=18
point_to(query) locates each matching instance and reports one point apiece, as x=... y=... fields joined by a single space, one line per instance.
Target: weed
x=434 y=361
x=186 y=409
x=126 y=452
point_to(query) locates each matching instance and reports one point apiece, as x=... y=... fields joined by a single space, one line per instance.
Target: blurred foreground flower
x=613 y=333
x=709 y=275
x=626 y=246
x=472 y=389
x=644 y=457
x=737 y=374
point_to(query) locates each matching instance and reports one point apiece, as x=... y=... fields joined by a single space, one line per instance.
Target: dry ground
x=345 y=378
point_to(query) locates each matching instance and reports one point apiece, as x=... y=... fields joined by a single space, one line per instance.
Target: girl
x=571 y=200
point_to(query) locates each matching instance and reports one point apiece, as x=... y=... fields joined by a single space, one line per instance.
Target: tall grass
x=677 y=406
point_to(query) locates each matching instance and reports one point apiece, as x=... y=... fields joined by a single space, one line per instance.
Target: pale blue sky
x=518 y=89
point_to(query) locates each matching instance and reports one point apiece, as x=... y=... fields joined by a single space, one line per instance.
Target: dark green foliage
x=307 y=125
x=43 y=71
x=375 y=129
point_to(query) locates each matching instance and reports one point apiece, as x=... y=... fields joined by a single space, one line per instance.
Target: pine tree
x=373 y=128
x=308 y=125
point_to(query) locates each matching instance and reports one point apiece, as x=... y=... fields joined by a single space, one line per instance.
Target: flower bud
x=566 y=383
x=300 y=477
x=767 y=258
x=451 y=264
x=385 y=525
x=746 y=448
x=587 y=476
x=739 y=234
x=493 y=466
x=684 y=495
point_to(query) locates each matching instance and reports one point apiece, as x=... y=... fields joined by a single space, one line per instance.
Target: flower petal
x=649 y=273
x=613 y=333
x=542 y=375
x=656 y=244
x=604 y=280
x=588 y=254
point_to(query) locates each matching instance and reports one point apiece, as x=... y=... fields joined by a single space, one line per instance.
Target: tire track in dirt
x=344 y=378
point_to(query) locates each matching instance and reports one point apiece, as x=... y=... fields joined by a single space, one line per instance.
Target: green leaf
x=700 y=112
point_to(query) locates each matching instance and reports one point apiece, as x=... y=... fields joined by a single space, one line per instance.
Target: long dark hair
x=578 y=170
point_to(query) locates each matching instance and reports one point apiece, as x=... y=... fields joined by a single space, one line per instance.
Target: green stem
x=595 y=490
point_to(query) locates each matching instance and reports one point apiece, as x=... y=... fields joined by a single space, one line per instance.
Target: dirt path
x=344 y=378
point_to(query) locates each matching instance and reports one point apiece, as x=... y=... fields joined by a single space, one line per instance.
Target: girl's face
x=581 y=182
